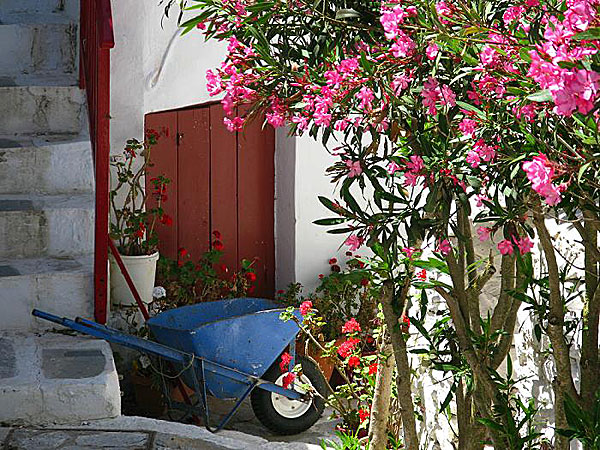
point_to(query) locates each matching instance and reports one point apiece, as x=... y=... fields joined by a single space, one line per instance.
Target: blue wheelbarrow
x=229 y=349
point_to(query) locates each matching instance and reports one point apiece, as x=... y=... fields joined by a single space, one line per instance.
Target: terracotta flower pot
x=325 y=363
x=148 y=398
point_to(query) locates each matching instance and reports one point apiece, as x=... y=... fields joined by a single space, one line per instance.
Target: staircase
x=46 y=221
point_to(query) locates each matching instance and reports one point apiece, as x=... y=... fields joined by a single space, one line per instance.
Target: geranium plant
x=134 y=222
x=190 y=279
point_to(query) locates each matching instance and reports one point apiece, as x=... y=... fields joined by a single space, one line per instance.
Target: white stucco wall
x=140 y=86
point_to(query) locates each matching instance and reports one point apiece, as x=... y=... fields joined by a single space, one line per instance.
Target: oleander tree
x=453 y=122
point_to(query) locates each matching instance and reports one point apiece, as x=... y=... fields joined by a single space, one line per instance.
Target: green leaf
x=330 y=221
x=540 y=96
x=592 y=33
x=582 y=170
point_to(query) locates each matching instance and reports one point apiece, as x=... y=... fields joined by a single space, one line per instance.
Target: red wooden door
x=219 y=181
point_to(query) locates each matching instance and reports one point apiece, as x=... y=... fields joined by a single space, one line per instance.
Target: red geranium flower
x=217 y=234
x=321 y=276
x=364 y=282
x=251 y=277
x=422 y=274
x=218 y=245
x=373 y=369
x=182 y=252
x=363 y=414
x=353 y=361
x=347 y=347
x=351 y=326
x=305 y=307
x=286 y=358
x=405 y=325
x=166 y=220
x=288 y=379
x=332 y=261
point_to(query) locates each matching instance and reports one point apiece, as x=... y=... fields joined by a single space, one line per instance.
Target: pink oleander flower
x=524 y=244
x=468 y=127
x=354 y=242
x=393 y=167
x=213 y=83
x=275 y=119
x=442 y=9
x=400 y=82
x=540 y=173
x=416 y=164
x=432 y=50
x=444 y=247
x=410 y=178
x=473 y=159
x=366 y=96
x=403 y=45
x=448 y=97
x=484 y=233
x=341 y=125
x=479 y=200
x=505 y=247
x=409 y=251
x=235 y=124
x=354 y=168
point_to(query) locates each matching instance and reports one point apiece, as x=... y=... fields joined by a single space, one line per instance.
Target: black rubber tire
x=270 y=418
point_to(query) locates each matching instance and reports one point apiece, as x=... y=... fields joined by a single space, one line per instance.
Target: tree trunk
x=380 y=411
x=403 y=382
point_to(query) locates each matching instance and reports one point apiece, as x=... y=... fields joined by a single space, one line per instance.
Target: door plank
x=256 y=192
x=194 y=181
x=164 y=157
x=223 y=163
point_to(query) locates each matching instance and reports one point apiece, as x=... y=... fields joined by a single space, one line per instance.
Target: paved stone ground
x=141 y=433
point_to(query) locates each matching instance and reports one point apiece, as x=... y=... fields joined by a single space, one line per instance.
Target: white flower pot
x=142 y=270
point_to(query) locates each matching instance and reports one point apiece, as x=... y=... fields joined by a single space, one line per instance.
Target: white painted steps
x=53 y=378
x=34 y=110
x=57 y=225
x=47 y=164
x=32 y=48
x=61 y=286
x=46 y=222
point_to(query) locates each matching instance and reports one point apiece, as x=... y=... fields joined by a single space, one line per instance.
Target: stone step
x=56 y=379
x=58 y=225
x=35 y=110
x=40 y=79
x=33 y=48
x=61 y=286
x=26 y=11
x=46 y=165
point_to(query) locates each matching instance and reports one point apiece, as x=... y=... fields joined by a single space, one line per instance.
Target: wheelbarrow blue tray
x=243 y=333
x=221 y=348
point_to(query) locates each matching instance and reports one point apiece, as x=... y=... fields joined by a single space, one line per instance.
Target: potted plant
x=134 y=222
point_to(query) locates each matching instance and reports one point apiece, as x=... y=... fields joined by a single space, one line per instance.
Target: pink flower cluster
x=572 y=89
x=391 y=19
x=524 y=245
x=435 y=94
x=481 y=152
x=540 y=173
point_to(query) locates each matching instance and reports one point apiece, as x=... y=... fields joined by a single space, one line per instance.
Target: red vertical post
x=96 y=40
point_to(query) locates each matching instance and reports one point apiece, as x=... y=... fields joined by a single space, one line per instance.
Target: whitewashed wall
x=147 y=77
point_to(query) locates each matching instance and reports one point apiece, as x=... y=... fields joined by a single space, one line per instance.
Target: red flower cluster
x=351 y=326
x=305 y=307
x=286 y=358
x=353 y=361
x=363 y=414
x=288 y=379
x=373 y=368
x=405 y=325
x=347 y=347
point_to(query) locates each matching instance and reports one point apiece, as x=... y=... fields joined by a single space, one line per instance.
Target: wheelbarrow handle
x=114 y=336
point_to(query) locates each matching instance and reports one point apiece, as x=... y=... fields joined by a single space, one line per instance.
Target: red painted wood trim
x=96 y=38
x=106 y=34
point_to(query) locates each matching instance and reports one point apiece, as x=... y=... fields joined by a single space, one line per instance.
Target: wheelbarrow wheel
x=282 y=415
